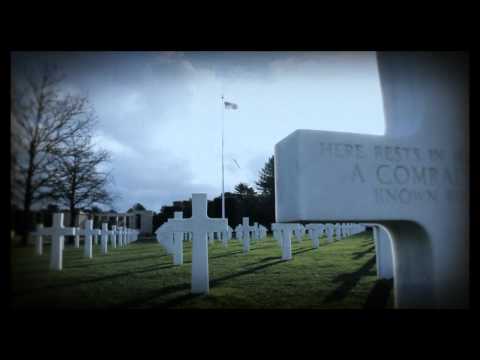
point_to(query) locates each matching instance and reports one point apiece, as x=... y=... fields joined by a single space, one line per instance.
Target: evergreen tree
x=266 y=202
x=136 y=207
x=244 y=190
x=266 y=182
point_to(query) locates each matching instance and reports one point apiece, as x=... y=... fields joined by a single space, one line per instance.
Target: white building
x=141 y=220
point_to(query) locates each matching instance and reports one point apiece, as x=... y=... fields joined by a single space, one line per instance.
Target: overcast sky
x=160 y=113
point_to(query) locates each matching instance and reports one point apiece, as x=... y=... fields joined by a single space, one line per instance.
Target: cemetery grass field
x=339 y=275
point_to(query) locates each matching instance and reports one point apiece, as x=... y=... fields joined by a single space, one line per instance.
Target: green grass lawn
x=338 y=275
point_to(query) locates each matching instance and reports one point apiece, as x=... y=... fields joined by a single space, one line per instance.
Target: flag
x=229 y=105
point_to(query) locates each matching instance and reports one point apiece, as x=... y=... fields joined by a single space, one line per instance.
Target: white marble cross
x=349 y=229
x=38 y=239
x=238 y=232
x=256 y=235
x=299 y=232
x=120 y=236
x=57 y=233
x=330 y=230
x=77 y=238
x=199 y=224
x=224 y=237
x=121 y=240
x=286 y=231
x=413 y=180
x=277 y=235
x=113 y=236
x=246 y=228
x=338 y=231
x=87 y=234
x=315 y=231
x=261 y=232
x=165 y=236
x=104 y=239
x=178 y=242
x=124 y=234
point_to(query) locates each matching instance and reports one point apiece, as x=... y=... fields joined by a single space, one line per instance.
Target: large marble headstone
x=413 y=180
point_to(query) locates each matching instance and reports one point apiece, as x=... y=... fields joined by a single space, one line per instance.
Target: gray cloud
x=160 y=112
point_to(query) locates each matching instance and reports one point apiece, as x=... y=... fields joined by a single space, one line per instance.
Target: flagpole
x=223 y=176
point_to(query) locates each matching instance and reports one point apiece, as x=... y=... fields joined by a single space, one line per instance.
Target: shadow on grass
x=357 y=255
x=178 y=300
x=115 y=262
x=302 y=251
x=154 y=294
x=269 y=258
x=379 y=295
x=98 y=279
x=225 y=255
x=218 y=281
x=180 y=287
x=349 y=281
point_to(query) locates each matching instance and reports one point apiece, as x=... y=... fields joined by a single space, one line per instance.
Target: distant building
x=141 y=220
x=79 y=221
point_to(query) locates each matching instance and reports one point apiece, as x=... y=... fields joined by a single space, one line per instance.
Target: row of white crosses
x=201 y=229
x=57 y=233
x=165 y=236
x=224 y=236
x=245 y=232
x=282 y=232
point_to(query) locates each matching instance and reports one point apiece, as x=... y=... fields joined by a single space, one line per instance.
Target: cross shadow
x=224 y=255
x=115 y=262
x=217 y=281
x=379 y=295
x=302 y=251
x=109 y=277
x=349 y=280
x=151 y=240
x=269 y=258
x=182 y=298
x=357 y=255
x=366 y=243
x=154 y=294
x=133 y=250
x=178 y=300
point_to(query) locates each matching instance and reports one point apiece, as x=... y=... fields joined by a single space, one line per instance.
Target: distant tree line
x=258 y=205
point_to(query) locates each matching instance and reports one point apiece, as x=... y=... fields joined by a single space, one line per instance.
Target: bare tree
x=43 y=117
x=79 y=181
